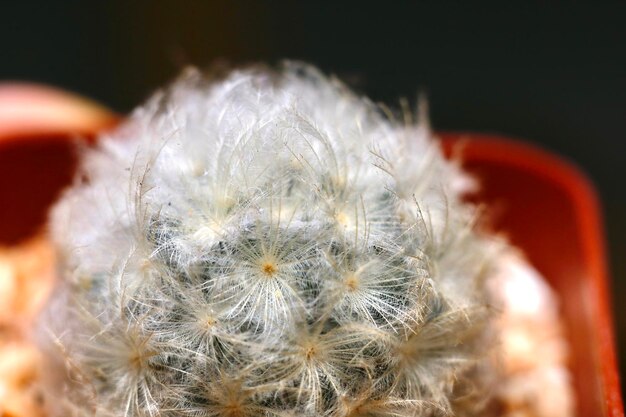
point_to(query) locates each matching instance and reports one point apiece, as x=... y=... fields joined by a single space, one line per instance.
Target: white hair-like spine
x=268 y=244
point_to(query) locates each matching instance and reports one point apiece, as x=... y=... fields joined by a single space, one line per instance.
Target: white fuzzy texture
x=268 y=244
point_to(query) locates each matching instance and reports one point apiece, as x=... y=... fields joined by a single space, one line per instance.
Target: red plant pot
x=543 y=204
x=38 y=126
x=546 y=207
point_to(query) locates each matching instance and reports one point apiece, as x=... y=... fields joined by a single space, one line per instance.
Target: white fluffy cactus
x=266 y=243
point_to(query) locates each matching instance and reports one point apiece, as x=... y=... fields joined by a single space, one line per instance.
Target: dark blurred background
x=554 y=75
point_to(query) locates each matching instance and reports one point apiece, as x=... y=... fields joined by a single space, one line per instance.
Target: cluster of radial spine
x=266 y=243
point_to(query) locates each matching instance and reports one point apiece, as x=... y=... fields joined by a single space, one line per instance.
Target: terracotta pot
x=544 y=205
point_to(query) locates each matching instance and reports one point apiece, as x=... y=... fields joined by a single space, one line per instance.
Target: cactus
x=266 y=243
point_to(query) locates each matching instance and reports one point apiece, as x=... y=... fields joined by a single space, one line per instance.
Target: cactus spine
x=267 y=243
